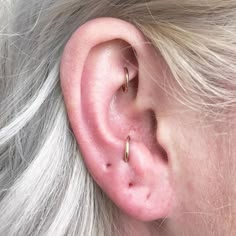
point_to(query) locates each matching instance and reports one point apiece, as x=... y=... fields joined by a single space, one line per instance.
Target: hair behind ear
x=42 y=176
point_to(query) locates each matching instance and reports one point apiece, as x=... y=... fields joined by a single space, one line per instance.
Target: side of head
x=64 y=119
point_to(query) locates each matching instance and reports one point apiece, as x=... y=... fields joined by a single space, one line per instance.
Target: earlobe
x=101 y=98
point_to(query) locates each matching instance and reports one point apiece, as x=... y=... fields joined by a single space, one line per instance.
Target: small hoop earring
x=125 y=86
x=127 y=149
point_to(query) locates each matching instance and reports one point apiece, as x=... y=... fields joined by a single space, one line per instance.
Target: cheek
x=199 y=174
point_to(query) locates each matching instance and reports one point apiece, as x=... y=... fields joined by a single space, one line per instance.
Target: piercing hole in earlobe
x=148 y=196
x=131 y=184
x=108 y=165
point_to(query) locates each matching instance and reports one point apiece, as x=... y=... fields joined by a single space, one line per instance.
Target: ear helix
x=125 y=88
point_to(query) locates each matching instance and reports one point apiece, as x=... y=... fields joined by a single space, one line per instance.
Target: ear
x=102 y=115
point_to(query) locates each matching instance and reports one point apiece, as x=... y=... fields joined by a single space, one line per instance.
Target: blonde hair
x=44 y=186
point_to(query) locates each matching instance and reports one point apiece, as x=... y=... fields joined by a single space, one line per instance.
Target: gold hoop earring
x=127 y=149
x=125 y=86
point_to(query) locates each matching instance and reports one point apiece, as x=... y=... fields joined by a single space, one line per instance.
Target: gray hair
x=45 y=188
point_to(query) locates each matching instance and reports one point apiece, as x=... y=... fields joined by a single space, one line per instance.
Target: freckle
x=149 y=195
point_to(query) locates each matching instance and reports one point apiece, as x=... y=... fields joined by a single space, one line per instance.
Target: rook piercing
x=125 y=87
x=127 y=148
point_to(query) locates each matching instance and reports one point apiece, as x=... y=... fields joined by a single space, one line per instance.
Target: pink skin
x=175 y=174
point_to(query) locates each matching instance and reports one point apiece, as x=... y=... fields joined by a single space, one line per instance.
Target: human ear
x=102 y=116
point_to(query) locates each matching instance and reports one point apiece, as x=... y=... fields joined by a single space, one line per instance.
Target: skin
x=180 y=168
